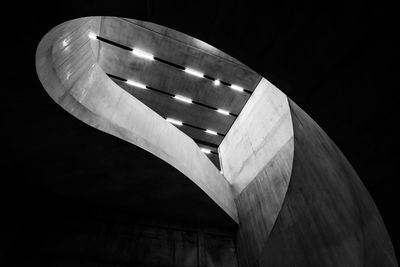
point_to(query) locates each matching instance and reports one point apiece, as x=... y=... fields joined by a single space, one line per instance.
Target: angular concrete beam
x=257 y=157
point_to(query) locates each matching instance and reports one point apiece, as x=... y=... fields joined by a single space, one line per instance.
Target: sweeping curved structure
x=295 y=197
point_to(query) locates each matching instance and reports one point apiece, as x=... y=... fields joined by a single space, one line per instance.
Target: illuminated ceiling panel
x=199 y=89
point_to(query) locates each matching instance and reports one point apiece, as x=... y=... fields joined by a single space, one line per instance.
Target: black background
x=336 y=62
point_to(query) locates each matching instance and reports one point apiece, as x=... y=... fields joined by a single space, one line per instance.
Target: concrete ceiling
x=182 y=50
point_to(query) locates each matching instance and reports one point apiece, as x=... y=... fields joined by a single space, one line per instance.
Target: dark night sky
x=336 y=62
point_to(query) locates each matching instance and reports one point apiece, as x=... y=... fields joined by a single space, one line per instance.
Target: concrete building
x=219 y=166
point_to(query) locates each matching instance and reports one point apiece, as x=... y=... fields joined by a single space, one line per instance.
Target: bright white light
x=176 y=122
x=194 y=72
x=237 y=88
x=217 y=82
x=136 y=84
x=221 y=172
x=205 y=150
x=142 y=54
x=211 y=132
x=223 y=111
x=92 y=35
x=184 y=99
x=65 y=42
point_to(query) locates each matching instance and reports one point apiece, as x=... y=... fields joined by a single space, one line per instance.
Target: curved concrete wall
x=300 y=203
x=328 y=218
x=298 y=199
x=68 y=70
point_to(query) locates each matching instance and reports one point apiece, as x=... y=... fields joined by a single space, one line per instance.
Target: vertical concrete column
x=257 y=156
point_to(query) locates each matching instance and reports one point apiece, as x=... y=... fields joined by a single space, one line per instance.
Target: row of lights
x=142 y=54
x=148 y=56
x=177 y=97
x=179 y=123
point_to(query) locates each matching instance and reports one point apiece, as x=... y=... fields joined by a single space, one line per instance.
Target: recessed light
x=194 y=72
x=182 y=98
x=92 y=35
x=142 y=54
x=223 y=111
x=205 y=150
x=176 y=122
x=237 y=88
x=211 y=132
x=136 y=84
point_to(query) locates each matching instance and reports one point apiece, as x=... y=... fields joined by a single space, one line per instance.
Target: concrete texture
x=179 y=48
x=262 y=129
x=70 y=74
x=185 y=51
x=298 y=200
x=327 y=217
x=256 y=157
x=90 y=238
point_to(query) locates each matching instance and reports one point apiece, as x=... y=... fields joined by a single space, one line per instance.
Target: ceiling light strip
x=194 y=72
x=178 y=97
x=92 y=36
x=191 y=71
x=237 y=88
x=205 y=143
x=114 y=43
x=199 y=142
x=222 y=111
x=169 y=63
x=202 y=129
x=211 y=132
x=136 y=84
x=212 y=147
x=205 y=150
x=183 y=99
x=142 y=54
x=180 y=123
x=173 y=121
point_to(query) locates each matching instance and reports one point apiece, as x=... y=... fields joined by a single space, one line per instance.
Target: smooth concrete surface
x=297 y=199
x=179 y=48
x=185 y=51
x=70 y=74
x=263 y=127
x=327 y=218
x=256 y=157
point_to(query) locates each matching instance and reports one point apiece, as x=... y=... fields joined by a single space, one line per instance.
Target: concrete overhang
x=88 y=67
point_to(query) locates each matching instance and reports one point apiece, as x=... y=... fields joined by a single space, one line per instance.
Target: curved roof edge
x=68 y=70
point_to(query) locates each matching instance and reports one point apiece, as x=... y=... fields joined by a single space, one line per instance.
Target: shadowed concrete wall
x=307 y=206
x=328 y=218
x=92 y=239
x=69 y=72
